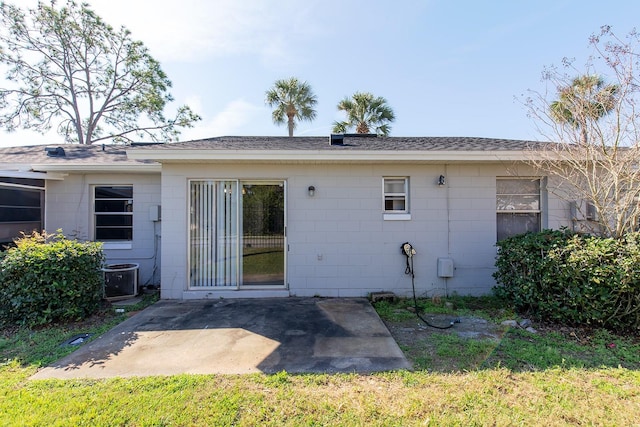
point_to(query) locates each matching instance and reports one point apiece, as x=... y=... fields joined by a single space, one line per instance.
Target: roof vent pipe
x=336 y=139
x=54 y=152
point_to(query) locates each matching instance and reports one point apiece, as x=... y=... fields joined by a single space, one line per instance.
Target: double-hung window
x=21 y=206
x=517 y=206
x=396 y=197
x=113 y=213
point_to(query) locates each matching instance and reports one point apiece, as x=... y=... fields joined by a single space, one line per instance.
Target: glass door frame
x=241 y=284
x=238 y=235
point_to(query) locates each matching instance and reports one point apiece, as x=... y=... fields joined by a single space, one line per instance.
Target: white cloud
x=191 y=30
x=235 y=119
x=27 y=137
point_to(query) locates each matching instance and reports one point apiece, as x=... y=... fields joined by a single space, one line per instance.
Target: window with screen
x=517 y=206
x=113 y=210
x=396 y=195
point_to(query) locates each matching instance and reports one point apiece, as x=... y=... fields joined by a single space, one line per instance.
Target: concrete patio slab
x=238 y=336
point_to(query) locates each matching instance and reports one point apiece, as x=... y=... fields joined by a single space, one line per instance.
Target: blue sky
x=447 y=68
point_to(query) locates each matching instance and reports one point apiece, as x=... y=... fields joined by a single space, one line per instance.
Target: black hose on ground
x=409 y=270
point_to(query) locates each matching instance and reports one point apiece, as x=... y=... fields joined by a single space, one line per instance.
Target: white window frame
x=522 y=211
x=111 y=244
x=396 y=214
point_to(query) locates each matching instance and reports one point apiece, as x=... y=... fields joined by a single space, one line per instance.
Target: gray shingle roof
x=74 y=154
x=350 y=143
x=116 y=155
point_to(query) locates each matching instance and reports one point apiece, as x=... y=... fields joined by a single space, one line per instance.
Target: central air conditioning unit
x=120 y=281
x=583 y=210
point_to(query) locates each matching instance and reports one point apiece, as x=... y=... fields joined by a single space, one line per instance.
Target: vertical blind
x=213 y=233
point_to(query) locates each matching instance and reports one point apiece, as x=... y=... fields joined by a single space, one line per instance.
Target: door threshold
x=239 y=293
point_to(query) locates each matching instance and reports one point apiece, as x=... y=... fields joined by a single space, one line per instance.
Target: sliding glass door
x=236 y=234
x=213 y=234
x=263 y=240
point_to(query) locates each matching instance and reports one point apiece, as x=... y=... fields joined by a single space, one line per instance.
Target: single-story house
x=304 y=216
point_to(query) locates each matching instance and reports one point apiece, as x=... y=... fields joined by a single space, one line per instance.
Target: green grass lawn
x=521 y=384
x=263 y=261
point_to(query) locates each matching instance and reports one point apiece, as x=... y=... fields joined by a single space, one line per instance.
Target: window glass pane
x=114 y=206
x=114 y=192
x=114 y=220
x=517 y=202
x=24 y=181
x=113 y=209
x=114 y=233
x=19 y=197
x=518 y=186
x=19 y=214
x=262 y=246
x=394 y=203
x=394 y=185
x=512 y=224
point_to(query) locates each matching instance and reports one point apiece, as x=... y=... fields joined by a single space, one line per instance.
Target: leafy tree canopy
x=293 y=101
x=587 y=98
x=66 y=67
x=365 y=112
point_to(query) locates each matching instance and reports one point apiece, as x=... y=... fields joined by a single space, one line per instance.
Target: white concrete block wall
x=339 y=244
x=68 y=206
x=558 y=209
x=175 y=192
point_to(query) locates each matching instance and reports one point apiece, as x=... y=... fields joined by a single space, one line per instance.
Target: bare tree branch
x=594 y=127
x=67 y=65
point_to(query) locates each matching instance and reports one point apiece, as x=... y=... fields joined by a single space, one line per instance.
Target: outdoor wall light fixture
x=441 y=180
x=311 y=190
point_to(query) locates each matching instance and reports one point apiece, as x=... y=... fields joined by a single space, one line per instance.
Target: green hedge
x=572 y=279
x=49 y=278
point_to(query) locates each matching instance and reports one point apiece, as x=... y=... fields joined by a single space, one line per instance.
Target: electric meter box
x=445 y=267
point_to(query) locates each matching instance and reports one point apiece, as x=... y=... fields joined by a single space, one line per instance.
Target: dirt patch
x=461 y=347
x=477 y=343
x=464 y=327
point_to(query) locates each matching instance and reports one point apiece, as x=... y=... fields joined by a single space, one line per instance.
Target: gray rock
x=531 y=330
x=510 y=323
x=525 y=323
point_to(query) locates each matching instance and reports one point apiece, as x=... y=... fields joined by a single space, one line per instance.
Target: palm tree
x=293 y=100
x=364 y=113
x=587 y=99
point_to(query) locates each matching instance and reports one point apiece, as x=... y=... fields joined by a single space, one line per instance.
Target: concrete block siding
x=340 y=244
x=339 y=241
x=69 y=206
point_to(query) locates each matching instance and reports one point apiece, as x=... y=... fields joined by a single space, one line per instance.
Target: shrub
x=572 y=279
x=49 y=278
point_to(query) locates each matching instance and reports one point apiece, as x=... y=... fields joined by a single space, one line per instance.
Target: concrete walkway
x=238 y=336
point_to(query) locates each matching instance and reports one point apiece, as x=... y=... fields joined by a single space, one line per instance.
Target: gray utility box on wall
x=120 y=281
x=445 y=267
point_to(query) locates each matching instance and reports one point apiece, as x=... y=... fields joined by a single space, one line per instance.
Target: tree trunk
x=583 y=135
x=290 y=125
x=362 y=128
